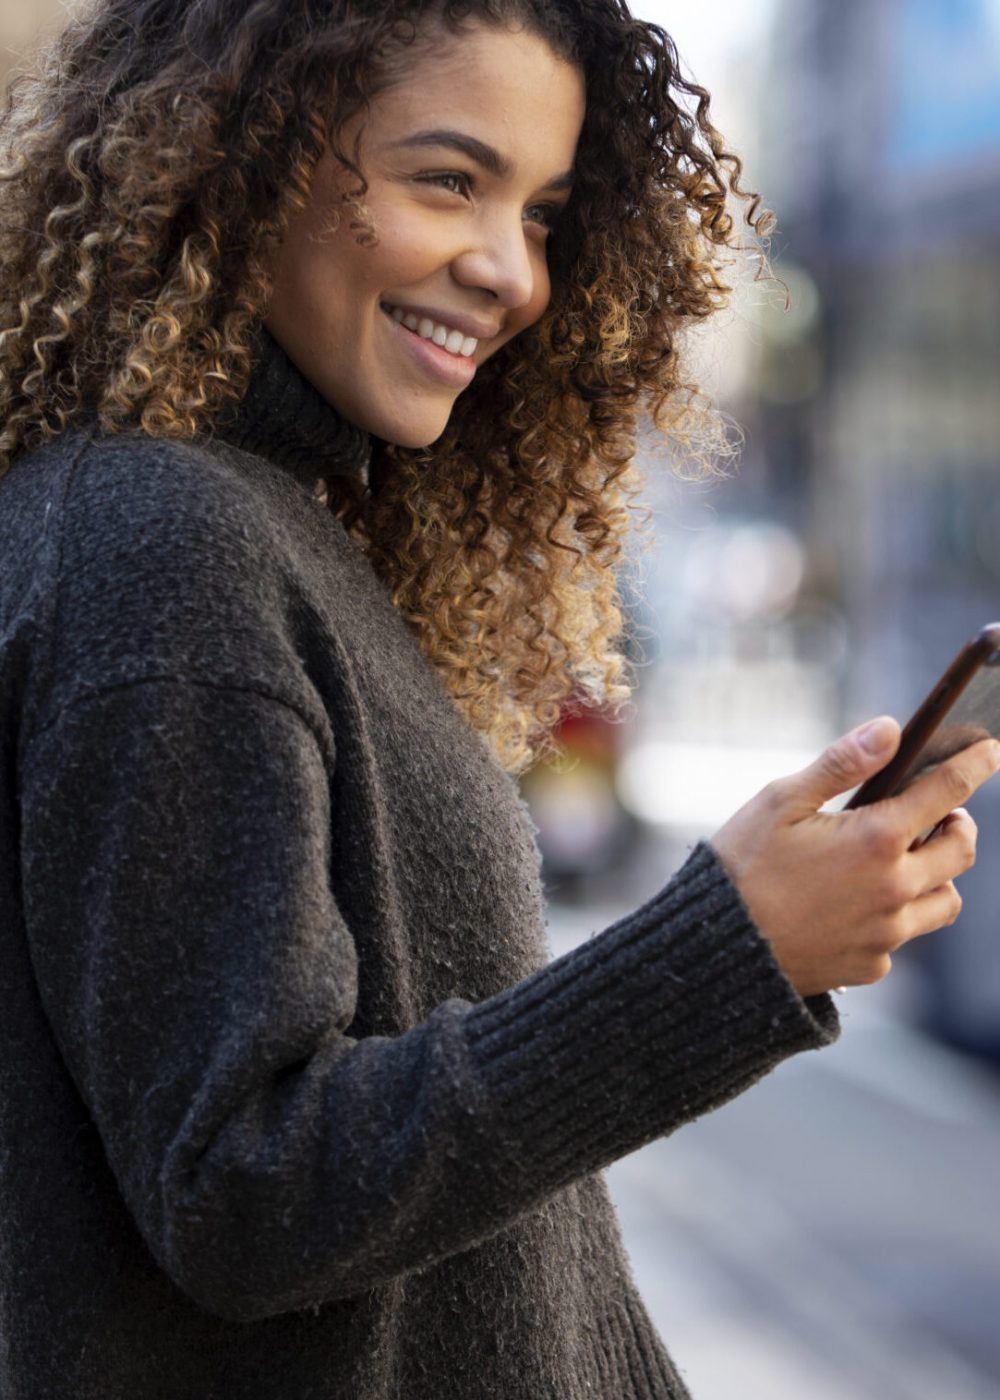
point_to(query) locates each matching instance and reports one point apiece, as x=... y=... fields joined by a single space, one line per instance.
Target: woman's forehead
x=507 y=89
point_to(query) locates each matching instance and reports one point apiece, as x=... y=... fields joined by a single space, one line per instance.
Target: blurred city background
x=834 y=1233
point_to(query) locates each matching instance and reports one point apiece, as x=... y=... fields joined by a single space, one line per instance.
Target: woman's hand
x=836 y=893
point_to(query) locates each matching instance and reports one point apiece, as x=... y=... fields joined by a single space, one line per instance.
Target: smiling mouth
x=457 y=344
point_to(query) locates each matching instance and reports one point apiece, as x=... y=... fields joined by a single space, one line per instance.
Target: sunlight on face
x=468 y=160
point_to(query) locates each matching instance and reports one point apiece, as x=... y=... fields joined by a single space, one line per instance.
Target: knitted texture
x=293 y=1105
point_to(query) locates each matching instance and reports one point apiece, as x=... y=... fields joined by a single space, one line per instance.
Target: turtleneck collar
x=284 y=418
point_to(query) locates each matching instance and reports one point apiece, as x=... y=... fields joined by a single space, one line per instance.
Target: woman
x=325 y=331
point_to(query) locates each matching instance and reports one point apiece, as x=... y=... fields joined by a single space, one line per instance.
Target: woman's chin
x=412 y=435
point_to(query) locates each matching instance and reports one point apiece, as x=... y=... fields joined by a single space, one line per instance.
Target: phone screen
x=963 y=707
x=974 y=715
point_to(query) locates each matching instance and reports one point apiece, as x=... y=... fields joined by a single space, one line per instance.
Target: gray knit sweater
x=292 y=1104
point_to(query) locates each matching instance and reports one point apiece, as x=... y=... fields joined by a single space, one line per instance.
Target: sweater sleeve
x=201 y=983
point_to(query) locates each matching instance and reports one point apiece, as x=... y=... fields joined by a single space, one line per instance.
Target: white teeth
x=453 y=341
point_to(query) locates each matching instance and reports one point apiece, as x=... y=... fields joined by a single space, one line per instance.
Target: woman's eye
x=458 y=182
x=453 y=180
x=545 y=215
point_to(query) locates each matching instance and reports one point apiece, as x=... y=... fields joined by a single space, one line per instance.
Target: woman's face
x=468 y=159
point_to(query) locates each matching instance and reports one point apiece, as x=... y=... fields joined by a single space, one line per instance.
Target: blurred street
x=833 y=1233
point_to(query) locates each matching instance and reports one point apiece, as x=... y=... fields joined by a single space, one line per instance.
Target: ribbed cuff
x=670 y=1012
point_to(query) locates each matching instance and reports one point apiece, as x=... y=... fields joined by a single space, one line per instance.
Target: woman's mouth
x=446 y=337
x=429 y=345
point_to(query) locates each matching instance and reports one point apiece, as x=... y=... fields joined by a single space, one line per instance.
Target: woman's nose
x=499 y=261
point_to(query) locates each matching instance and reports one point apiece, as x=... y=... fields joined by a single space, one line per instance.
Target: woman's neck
x=285 y=418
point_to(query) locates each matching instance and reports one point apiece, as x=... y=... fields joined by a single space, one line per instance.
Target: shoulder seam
x=260 y=692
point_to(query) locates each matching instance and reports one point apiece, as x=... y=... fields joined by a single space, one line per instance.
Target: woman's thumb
x=847 y=762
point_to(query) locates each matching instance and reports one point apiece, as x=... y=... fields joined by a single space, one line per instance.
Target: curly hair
x=149 y=165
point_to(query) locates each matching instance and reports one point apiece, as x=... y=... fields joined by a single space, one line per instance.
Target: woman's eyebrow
x=478 y=151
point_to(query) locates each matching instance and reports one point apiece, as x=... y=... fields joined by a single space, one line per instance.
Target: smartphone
x=963 y=707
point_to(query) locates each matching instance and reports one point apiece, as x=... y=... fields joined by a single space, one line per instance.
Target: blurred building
x=876 y=413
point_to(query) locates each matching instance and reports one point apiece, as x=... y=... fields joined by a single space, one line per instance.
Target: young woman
x=326 y=326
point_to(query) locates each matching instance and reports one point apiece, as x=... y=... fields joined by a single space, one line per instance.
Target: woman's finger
x=936 y=909
x=930 y=798
x=947 y=854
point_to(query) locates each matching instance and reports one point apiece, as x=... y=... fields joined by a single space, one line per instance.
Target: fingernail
x=875 y=736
